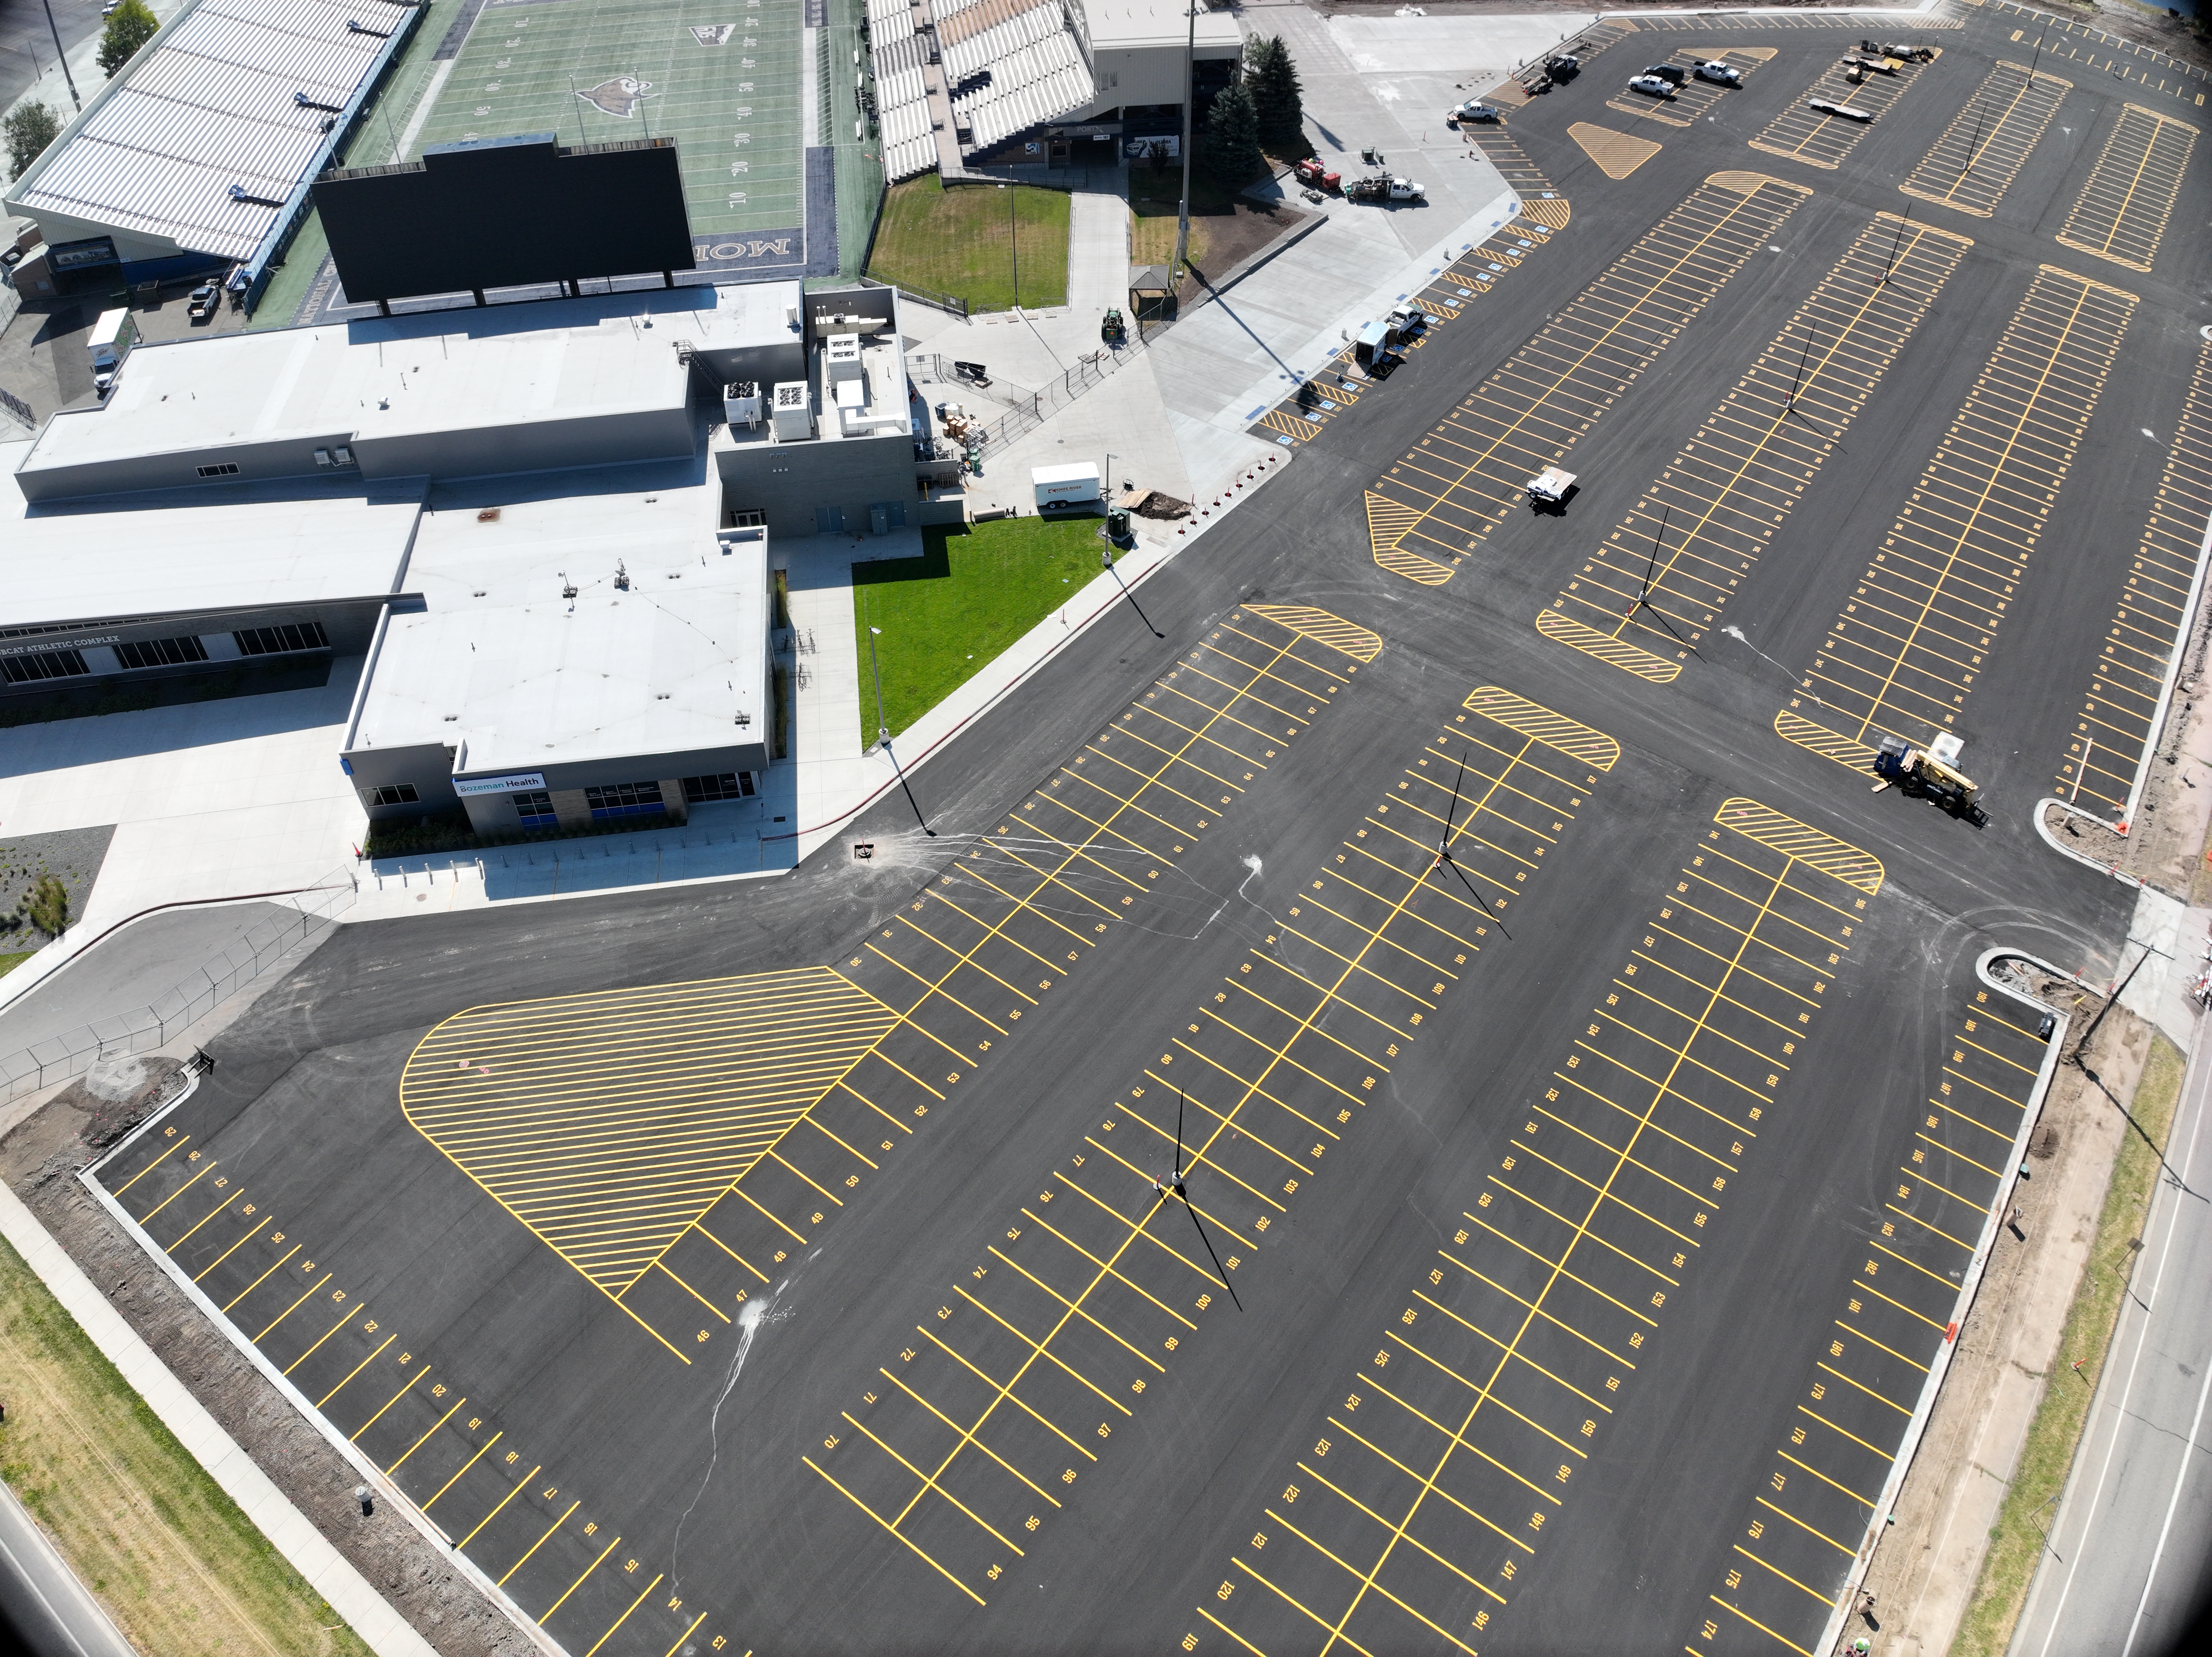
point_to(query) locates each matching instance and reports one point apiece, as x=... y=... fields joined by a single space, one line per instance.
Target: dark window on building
x=624 y=800
x=221 y=469
x=394 y=793
x=37 y=665
x=535 y=807
x=281 y=640
x=161 y=652
x=731 y=785
x=749 y=520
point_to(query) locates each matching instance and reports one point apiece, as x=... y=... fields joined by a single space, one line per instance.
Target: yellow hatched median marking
x=1627 y=657
x=1553 y=213
x=1828 y=744
x=1387 y=522
x=1289 y=424
x=1517 y=714
x=1339 y=634
x=607 y=1122
x=1837 y=860
x=1617 y=153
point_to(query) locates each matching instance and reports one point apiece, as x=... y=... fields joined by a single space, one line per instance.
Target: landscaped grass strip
x=2017 y=1541
x=176 y=1564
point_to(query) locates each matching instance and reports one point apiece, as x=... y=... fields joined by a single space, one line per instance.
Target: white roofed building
x=199 y=152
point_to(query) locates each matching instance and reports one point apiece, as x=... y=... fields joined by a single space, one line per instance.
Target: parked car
x=1474 y=112
x=1652 y=87
x=1564 y=67
x=1673 y=73
x=1720 y=74
x=205 y=299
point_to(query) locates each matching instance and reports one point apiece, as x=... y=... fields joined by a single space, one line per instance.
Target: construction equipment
x=1873 y=65
x=1845 y=111
x=1113 y=331
x=1922 y=774
x=1314 y=171
x=1903 y=54
x=1563 y=66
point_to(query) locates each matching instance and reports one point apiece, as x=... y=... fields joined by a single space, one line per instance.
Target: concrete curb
x=1923 y=1408
x=269 y=1507
x=2083 y=858
x=327 y=1571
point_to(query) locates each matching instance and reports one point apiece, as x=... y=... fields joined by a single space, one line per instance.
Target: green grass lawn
x=962 y=242
x=947 y=613
x=10 y=961
x=1156 y=204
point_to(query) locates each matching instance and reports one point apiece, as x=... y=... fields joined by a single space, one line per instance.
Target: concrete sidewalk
x=327 y=1570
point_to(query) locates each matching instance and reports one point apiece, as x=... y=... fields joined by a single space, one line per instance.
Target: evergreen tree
x=1278 y=99
x=1231 y=150
x=129 y=27
x=27 y=132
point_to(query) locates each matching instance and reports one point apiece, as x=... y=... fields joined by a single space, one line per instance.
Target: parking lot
x=1580 y=1080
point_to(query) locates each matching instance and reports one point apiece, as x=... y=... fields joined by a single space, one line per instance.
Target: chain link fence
x=72 y=1053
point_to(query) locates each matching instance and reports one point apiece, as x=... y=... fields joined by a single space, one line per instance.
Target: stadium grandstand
x=1019 y=71
x=200 y=153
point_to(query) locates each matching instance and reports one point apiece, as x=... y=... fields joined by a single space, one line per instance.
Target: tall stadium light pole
x=63 y=55
x=882 y=726
x=1182 y=217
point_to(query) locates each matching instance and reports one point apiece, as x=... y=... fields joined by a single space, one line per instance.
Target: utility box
x=841 y=358
x=741 y=403
x=1066 y=488
x=792 y=412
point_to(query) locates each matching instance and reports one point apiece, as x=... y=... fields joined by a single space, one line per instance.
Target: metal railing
x=951 y=303
x=72 y=1053
x=1089 y=370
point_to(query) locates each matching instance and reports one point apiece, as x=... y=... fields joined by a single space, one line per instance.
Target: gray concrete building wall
x=790 y=482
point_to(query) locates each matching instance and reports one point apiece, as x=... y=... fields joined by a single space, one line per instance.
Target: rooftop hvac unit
x=790 y=414
x=741 y=403
x=841 y=358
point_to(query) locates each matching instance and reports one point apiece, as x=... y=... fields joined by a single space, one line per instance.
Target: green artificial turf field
x=722 y=77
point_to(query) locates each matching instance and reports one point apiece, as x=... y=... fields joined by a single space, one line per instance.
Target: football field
x=722 y=77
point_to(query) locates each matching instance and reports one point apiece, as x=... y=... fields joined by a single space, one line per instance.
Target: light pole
x=1182 y=216
x=882 y=728
x=1014 y=237
x=63 y=55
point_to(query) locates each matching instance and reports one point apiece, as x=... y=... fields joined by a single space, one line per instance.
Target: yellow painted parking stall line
x=1694 y=100
x=1525 y=1350
x=2122 y=212
x=1066 y=1319
x=1914 y=634
x=1663 y=576
x=1461 y=479
x=1902 y=1291
x=2110 y=748
x=1975 y=160
x=1801 y=133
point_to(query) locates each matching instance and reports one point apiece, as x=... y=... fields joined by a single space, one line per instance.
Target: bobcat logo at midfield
x=713 y=34
x=619 y=96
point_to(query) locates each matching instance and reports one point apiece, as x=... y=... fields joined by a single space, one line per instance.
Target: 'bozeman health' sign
x=515 y=783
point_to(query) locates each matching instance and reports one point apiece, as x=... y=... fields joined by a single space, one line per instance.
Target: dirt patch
x=39 y=1159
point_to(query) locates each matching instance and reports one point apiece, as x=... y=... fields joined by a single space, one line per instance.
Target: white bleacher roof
x=207 y=105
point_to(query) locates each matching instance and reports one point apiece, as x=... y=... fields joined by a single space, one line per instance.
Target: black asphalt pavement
x=945 y=1414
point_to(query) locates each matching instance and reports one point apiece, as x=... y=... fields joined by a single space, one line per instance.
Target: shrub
x=27 y=132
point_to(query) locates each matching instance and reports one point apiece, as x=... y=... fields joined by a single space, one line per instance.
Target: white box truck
x=1067 y=489
x=111 y=338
